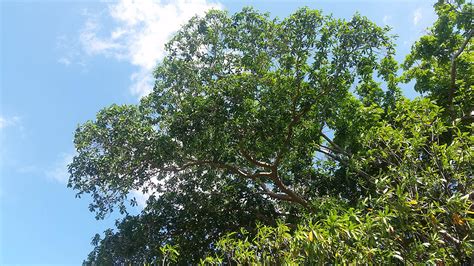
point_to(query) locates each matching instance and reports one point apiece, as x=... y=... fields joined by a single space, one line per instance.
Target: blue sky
x=61 y=62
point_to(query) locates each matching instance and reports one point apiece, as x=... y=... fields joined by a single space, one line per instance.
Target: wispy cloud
x=140 y=30
x=59 y=171
x=65 y=61
x=93 y=44
x=417 y=16
x=9 y=121
x=386 y=19
x=69 y=50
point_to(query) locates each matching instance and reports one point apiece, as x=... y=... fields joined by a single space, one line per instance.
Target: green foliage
x=441 y=62
x=271 y=141
x=169 y=253
x=420 y=211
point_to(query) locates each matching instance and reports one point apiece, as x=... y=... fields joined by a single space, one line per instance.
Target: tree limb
x=260 y=174
x=219 y=165
x=294 y=197
x=253 y=160
x=274 y=195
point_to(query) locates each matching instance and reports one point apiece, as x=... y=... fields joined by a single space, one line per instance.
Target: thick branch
x=253 y=160
x=288 y=196
x=274 y=195
x=260 y=174
x=219 y=165
x=279 y=196
x=294 y=197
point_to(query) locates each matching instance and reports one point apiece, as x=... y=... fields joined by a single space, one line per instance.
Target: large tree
x=258 y=120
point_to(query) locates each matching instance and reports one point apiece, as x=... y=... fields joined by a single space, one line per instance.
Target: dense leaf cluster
x=292 y=137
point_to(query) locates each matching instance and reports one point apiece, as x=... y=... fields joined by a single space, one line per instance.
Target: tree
x=421 y=211
x=258 y=120
x=441 y=62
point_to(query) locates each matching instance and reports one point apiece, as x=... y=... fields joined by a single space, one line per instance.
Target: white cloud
x=417 y=16
x=3 y=122
x=386 y=19
x=28 y=169
x=141 y=28
x=141 y=82
x=9 y=121
x=70 y=51
x=93 y=44
x=65 y=61
x=142 y=197
x=59 y=172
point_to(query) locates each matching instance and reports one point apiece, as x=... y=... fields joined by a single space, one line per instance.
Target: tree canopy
x=289 y=141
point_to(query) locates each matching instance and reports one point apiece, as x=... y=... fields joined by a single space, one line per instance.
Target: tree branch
x=294 y=121
x=452 y=88
x=337 y=147
x=288 y=196
x=219 y=165
x=260 y=174
x=294 y=197
x=253 y=160
x=274 y=195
